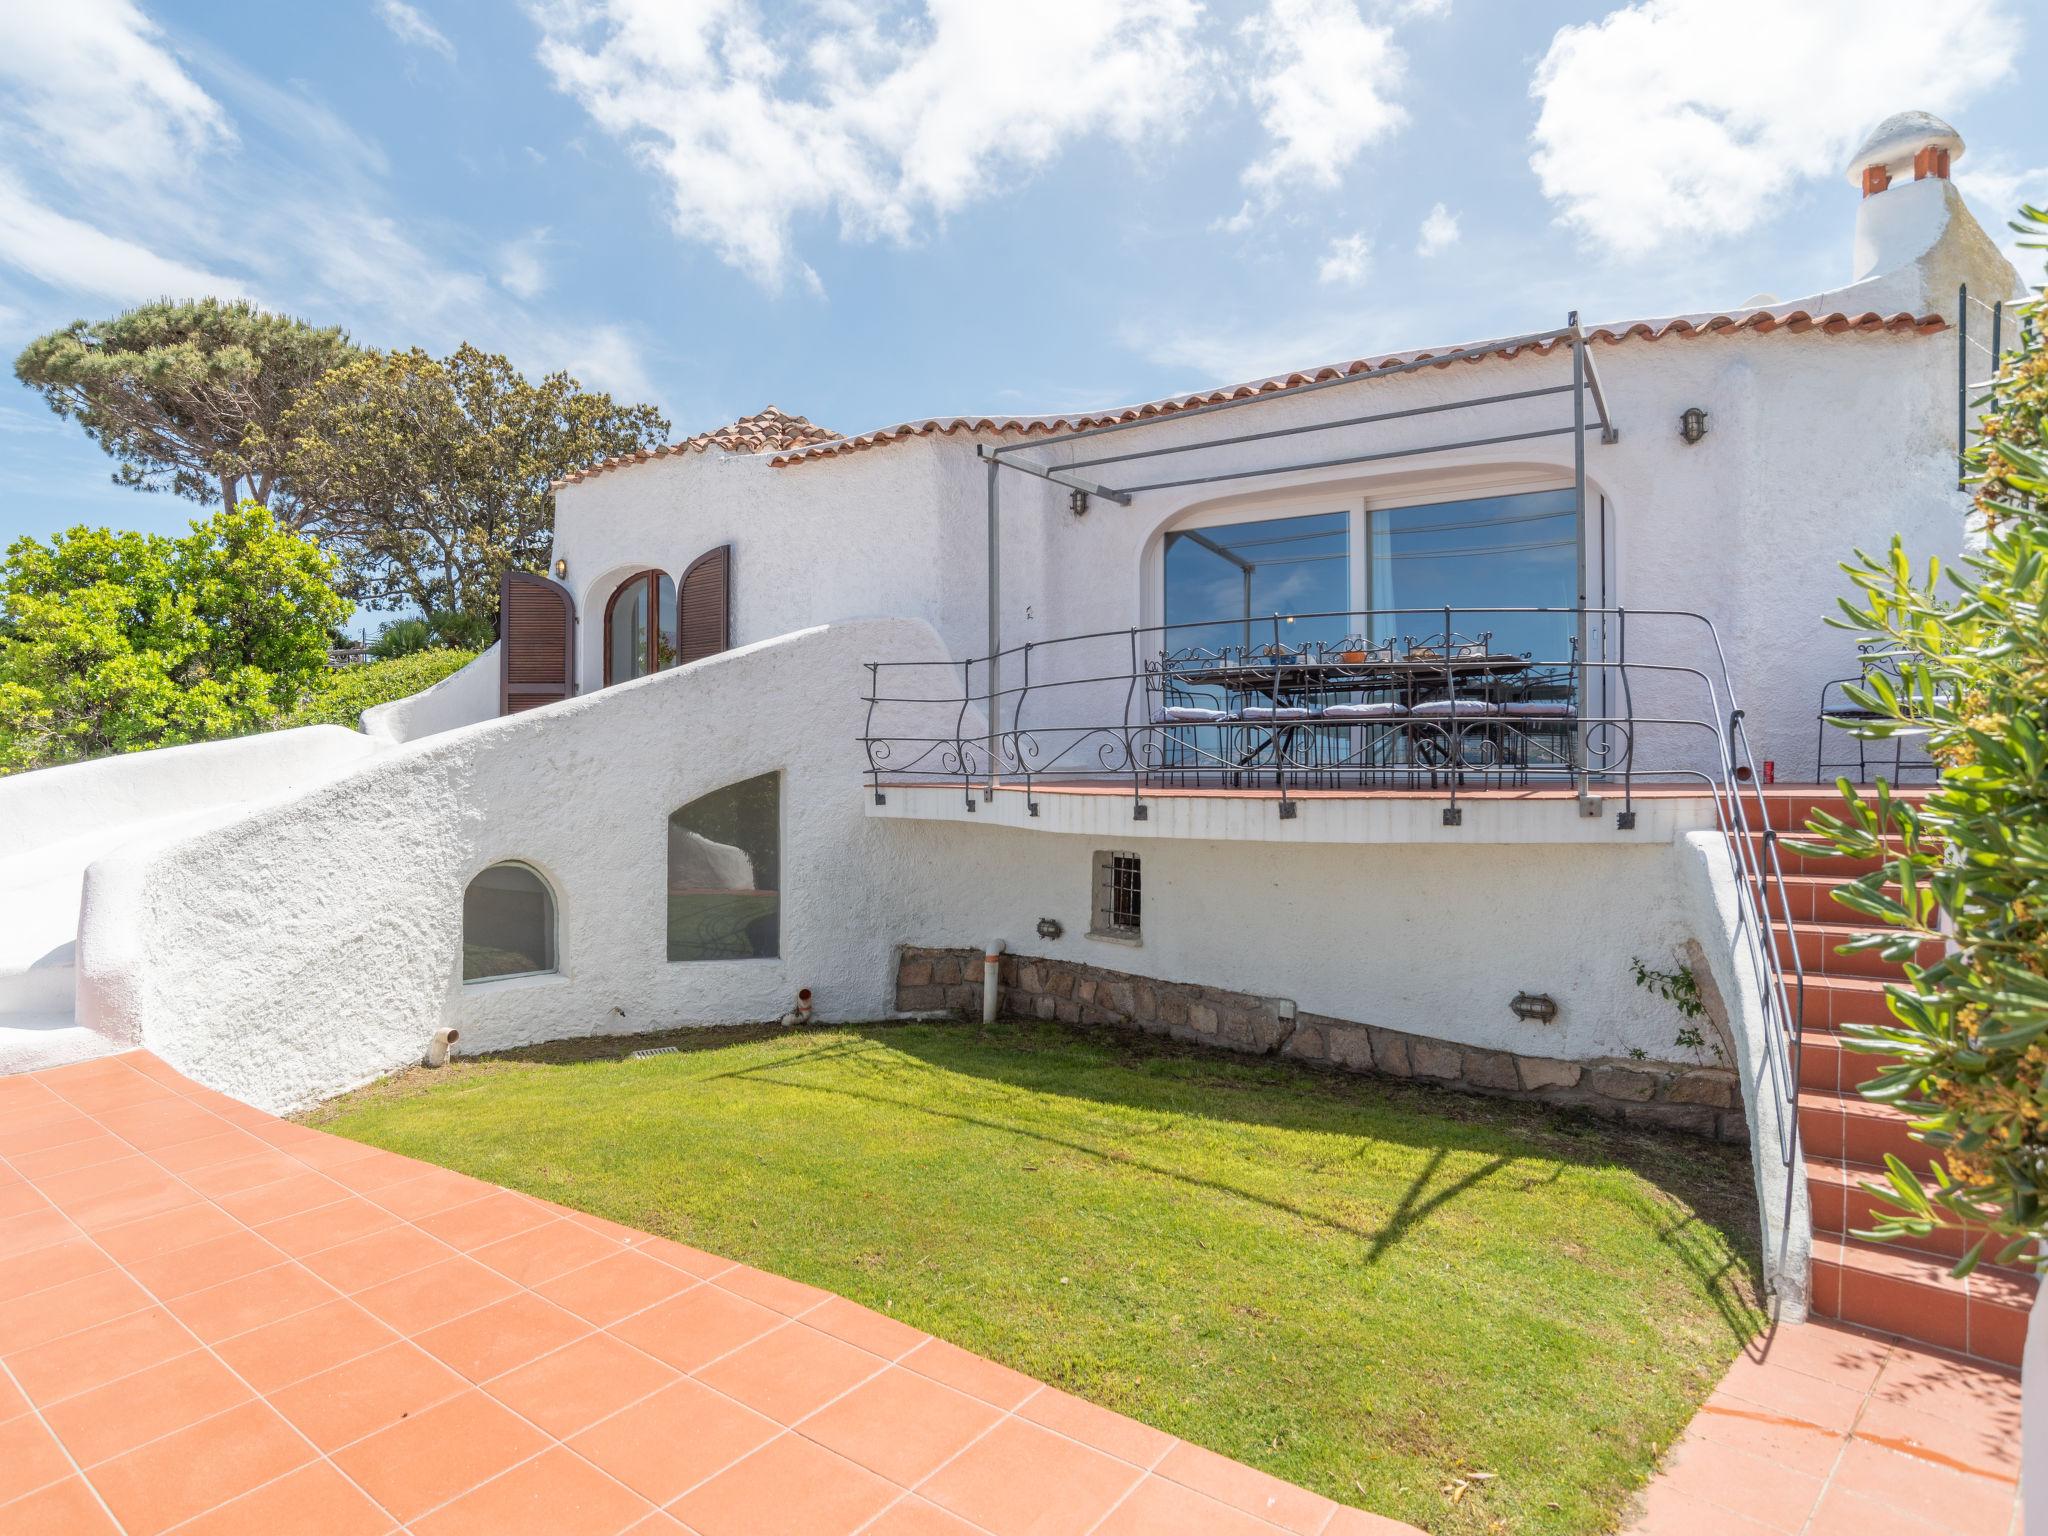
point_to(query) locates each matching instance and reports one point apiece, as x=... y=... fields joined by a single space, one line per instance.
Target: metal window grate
x=1119 y=895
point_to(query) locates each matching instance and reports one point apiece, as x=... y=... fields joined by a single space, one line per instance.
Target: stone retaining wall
x=1691 y=1100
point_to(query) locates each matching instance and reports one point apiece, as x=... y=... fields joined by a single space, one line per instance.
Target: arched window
x=640 y=627
x=725 y=874
x=508 y=924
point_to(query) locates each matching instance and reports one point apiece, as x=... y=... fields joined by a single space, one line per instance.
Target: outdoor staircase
x=1903 y=1286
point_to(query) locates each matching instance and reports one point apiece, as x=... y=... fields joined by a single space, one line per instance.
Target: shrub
x=402 y=637
x=463 y=631
x=1971 y=1030
x=342 y=696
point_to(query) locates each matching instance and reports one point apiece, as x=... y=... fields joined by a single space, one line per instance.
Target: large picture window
x=1487 y=552
x=1260 y=576
x=725 y=874
x=640 y=628
x=508 y=924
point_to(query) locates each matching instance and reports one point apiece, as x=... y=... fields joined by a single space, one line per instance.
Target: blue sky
x=865 y=212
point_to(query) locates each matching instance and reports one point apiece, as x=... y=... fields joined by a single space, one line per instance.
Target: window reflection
x=1261 y=576
x=508 y=924
x=1489 y=552
x=724 y=874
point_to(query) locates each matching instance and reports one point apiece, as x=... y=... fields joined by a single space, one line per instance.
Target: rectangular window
x=1259 y=578
x=725 y=874
x=1119 y=898
x=1488 y=552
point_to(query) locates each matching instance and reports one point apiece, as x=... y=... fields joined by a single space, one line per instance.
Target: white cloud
x=1672 y=120
x=876 y=118
x=1997 y=187
x=1347 y=261
x=1439 y=231
x=411 y=27
x=1227 y=353
x=1325 y=90
x=90 y=84
x=522 y=269
x=77 y=257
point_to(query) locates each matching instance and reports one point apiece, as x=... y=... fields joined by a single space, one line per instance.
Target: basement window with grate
x=1119 y=898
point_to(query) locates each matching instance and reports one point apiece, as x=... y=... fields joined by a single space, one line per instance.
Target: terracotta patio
x=215 y=1321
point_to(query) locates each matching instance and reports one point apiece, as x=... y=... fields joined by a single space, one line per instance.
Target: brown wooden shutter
x=536 y=642
x=705 y=597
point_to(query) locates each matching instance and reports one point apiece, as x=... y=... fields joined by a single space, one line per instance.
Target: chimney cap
x=1894 y=142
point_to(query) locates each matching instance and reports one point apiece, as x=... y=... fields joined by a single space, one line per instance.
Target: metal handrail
x=985 y=740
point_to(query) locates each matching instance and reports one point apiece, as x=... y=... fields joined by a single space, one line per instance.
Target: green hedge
x=347 y=691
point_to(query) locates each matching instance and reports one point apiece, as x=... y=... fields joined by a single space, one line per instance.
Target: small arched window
x=508 y=924
x=640 y=625
x=725 y=874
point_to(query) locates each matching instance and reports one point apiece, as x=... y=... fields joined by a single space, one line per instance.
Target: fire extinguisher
x=1770 y=770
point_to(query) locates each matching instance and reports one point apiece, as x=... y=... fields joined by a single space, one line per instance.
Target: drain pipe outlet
x=801 y=1013
x=441 y=1045
x=991 y=981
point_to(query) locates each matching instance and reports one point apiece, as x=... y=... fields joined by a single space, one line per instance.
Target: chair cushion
x=1189 y=714
x=1438 y=707
x=1386 y=710
x=1269 y=712
x=1542 y=709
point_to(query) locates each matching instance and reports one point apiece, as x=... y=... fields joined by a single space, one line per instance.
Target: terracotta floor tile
x=130 y=1203
x=697 y=1327
x=1669 y=1510
x=1245 y=1488
x=30 y=1458
x=251 y=1171
x=34 y=1231
x=77 y=1185
x=116 y=1418
x=440 y=1453
x=502 y=1336
x=1847 y=1513
x=292 y=1196
x=492 y=1219
x=11 y=1399
x=614 y=1287
x=19 y=1142
x=318 y=1150
x=912 y=1516
x=425 y=1194
x=428 y=1297
x=59 y=1264
x=1789 y=1442
x=51 y=1314
x=315 y=1500
x=1767 y=1492
x=970 y=1373
x=692 y=1261
x=19 y=1198
x=674 y=1440
x=1792 y=1394
x=790 y=1372
x=1357 y=1522
x=790 y=1297
x=264 y=1296
x=228 y=1145
x=381 y=1256
x=69 y=1508
x=788 y=1486
x=1839 y=1355
x=327 y=1226
x=277 y=1354
x=901 y=1425
x=574 y=1387
x=1157 y=1507
x=364 y=1174
x=190 y=1471
x=80 y=1361
x=1078 y=1419
x=184 y=1227
x=543 y=1252
x=205 y=1265
x=870 y=1330
x=1020 y=1479
x=1940 y=1383
x=1970 y=1443
x=369 y=1393
x=1947 y=1500
x=557 y=1492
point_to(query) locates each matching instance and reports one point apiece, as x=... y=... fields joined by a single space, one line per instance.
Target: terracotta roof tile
x=794 y=440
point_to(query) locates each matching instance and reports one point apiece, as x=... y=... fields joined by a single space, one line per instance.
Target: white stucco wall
x=461 y=698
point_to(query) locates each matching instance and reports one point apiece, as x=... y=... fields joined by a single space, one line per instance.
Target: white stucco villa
x=1380 y=715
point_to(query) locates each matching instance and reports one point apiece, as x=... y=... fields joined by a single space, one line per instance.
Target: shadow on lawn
x=1176 y=1080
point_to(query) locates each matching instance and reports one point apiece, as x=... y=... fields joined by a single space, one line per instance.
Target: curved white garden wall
x=462 y=698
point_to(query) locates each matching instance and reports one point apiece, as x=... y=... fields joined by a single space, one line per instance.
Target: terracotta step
x=1819 y=946
x=1895 y=1290
x=1826 y=1063
x=1842 y=1206
x=1793 y=863
x=1789 y=805
x=1811 y=899
x=1837 y=1128
x=1828 y=1002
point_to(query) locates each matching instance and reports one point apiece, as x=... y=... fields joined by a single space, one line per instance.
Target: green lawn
x=1375 y=1290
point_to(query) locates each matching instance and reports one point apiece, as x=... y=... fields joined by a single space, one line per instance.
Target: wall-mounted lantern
x=561 y=570
x=1692 y=424
x=1533 y=1006
x=1049 y=928
x=1077 y=503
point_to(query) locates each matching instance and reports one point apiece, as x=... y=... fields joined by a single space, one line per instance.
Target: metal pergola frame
x=1585 y=381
